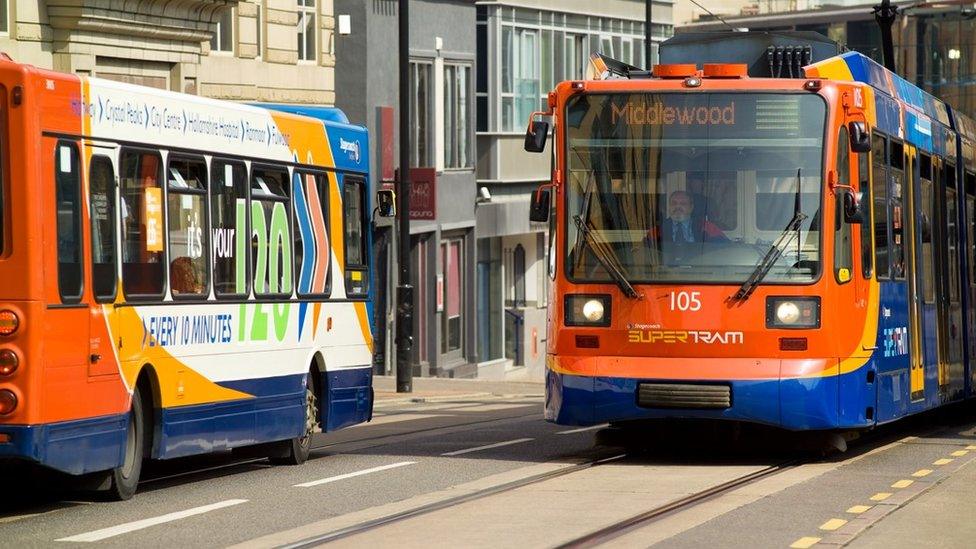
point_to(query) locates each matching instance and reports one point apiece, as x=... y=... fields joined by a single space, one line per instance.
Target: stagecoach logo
x=351 y=148
x=685 y=336
x=639 y=112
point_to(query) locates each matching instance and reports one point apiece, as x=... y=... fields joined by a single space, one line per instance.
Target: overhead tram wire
x=726 y=23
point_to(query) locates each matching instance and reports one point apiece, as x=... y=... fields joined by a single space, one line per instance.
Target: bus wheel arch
x=319 y=378
x=140 y=433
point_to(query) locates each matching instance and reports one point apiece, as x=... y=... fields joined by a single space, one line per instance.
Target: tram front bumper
x=826 y=400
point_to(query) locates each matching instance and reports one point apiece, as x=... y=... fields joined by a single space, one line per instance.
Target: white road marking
x=106 y=533
x=584 y=429
x=489 y=446
x=356 y=474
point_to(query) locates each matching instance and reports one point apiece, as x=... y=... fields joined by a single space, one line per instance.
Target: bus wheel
x=125 y=478
x=295 y=451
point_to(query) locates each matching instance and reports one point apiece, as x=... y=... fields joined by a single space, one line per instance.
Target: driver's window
x=843 y=256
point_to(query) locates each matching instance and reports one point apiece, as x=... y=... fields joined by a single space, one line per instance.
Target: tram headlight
x=792 y=312
x=587 y=310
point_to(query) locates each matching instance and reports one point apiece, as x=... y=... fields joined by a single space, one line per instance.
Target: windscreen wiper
x=606 y=257
x=770 y=259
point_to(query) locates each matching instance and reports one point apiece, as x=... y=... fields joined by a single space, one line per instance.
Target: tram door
x=949 y=293
x=912 y=252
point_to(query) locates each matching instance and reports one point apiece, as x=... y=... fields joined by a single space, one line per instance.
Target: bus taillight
x=8 y=362
x=8 y=323
x=8 y=402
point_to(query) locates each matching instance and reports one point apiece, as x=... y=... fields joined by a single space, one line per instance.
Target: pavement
x=427 y=389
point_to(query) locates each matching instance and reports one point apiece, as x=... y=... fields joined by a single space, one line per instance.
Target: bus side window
x=228 y=213
x=271 y=251
x=879 y=203
x=843 y=255
x=142 y=224
x=187 y=227
x=67 y=181
x=354 y=223
x=313 y=251
x=104 y=232
x=864 y=186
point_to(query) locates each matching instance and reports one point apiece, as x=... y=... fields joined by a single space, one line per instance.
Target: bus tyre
x=125 y=478
x=295 y=451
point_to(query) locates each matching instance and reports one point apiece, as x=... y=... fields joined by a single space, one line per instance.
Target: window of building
x=353 y=200
x=223 y=37
x=187 y=227
x=101 y=182
x=306 y=30
x=421 y=99
x=228 y=210
x=4 y=17
x=271 y=252
x=67 y=181
x=451 y=263
x=142 y=224
x=259 y=27
x=518 y=274
x=457 y=79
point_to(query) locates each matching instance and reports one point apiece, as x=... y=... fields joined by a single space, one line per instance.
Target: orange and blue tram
x=793 y=252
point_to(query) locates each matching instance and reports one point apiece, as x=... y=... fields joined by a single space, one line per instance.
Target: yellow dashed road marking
x=960 y=453
x=881 y=496
x=804 y=543
x=922 y=473
x=971 y=447
x=833 y=524
x=902 y=484
x=943 y=461
x=858 y=509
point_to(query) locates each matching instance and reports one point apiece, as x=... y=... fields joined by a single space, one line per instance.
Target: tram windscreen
x=693 y=187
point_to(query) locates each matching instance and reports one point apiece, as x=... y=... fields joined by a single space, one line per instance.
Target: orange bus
x=180 y=275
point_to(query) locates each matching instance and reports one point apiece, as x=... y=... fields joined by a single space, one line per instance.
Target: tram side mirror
x=536 y=136
x=853 y=211
x=386 y=202
x=860 y=137
x=539 y=207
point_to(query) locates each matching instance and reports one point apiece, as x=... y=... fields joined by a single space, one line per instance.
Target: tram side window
x=952 y=226
x=879 y=203
x=187 y=185
x=970 y=186
x=271 y=242
x=896 y=194
x=67 y=181
x=353 y=202
x=142 y=224
x=843 y=261
x=927 y=226
x=313 y=252
x=228 y=210
x=101 y=182
x=864 y=186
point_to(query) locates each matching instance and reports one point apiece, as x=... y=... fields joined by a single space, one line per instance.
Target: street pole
x=647 y=34
x=404 y=296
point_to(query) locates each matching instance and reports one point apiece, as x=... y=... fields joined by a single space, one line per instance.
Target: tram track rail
x=635 y=522
x=314 y=541
x=372 y=442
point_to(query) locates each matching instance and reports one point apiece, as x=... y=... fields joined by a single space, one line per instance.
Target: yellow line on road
x=922 y=473
x=971 y=447
x=833 y=524
x=959 y=453
x=902 y=484
x=881 y=496
x=943 y=461
x=804 y=543
x=858 y=509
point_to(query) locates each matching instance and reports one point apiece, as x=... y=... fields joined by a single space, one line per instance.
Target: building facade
x=265 y=50
x=442 y=111
x=526 y=47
